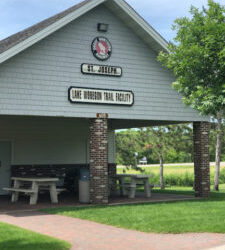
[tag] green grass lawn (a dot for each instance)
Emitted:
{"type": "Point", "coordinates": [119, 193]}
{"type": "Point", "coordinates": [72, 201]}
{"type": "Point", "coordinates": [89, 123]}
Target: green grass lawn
{"type": "Point", "coordinates": [173, 217]}
{"type": "Point", "coordinates": [14, 238]}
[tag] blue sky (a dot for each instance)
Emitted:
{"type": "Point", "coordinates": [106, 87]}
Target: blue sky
{"type": "Point", "coordinates": [19, 14]}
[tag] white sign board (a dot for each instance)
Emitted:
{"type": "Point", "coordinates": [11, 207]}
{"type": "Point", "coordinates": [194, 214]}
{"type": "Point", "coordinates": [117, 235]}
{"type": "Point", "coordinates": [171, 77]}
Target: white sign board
{"type": "Point", "coordinates": [93, 69]}
{"type": "Point", "coordinates": [101, 96]}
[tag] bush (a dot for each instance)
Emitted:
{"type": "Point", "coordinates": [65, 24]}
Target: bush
{"type": "Point", "coordinates": [183, 180]}
{"type": "Point", "coordinates": [222, 176]}
{"type": "Point", "coordinates": [186, 179]}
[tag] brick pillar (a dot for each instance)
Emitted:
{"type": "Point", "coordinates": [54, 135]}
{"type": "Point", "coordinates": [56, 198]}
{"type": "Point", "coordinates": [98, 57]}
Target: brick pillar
{"type": "Point", "coordinates": [99, 160]}
{"type": "Point", "coordinates": [112, 174]}
{"type": "Point", "coordinates": [201, 159]}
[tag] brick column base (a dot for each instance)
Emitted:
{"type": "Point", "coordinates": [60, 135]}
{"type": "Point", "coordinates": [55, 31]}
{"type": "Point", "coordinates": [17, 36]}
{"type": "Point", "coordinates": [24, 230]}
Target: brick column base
{"type": "Point", "coordinates": [201, 159]}
{"type": "Point", "coordinates": [99, 161]}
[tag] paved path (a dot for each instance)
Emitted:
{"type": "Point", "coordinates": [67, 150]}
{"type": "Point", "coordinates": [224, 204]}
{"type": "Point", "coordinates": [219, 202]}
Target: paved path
{"type": "Point", "coordinates": [85, 235]}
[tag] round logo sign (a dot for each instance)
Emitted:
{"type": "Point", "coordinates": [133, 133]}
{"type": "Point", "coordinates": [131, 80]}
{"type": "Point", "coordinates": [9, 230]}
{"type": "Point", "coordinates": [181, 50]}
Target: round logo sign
{"type": "Point", "coordinates": [101, 48]}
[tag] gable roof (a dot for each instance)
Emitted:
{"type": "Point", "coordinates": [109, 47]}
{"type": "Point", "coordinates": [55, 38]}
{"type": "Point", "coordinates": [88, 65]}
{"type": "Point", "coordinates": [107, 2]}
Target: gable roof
{"type": "Point", "coordinates": [18, 42]}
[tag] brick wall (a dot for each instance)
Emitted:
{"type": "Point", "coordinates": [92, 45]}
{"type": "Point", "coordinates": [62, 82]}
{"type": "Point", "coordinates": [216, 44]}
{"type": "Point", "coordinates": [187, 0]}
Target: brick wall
{"type": "Point", "coordinates": [51, 170]}
{"type": "Point", "coordinates": [201, 159]}
{"type": "Point", "coordinates": [69, 173]}
{"type": "Point", "coordinates": [58, 171]}
{"type": "Point", "coordinates": [99, 161]}
{"type": "Point", "coordinates": [112, 173]}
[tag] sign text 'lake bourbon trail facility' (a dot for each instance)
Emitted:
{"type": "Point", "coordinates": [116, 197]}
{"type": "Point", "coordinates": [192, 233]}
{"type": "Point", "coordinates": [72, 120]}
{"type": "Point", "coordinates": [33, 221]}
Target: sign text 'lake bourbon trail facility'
{"type": "Point", "coordinates": [67, 83]}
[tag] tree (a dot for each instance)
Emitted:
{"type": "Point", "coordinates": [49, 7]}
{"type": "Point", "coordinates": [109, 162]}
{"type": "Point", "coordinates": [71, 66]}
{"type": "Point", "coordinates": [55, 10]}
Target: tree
{"type": "Point", "coordinates": [197, 59]}
{"type": "Point", "coordinates": [160, 141]}
{"type": "Point", "coordinates": [213, 140]}
{"type": "Point", "coordinates": [178, 147]}
{"type": "Point", "coordinates": [218, 151]}
{"type": "Point", "coordinates": [158, 138]}
{"type": "Point", "coordinates": [127, 144]}
{"type": "Point", "coordinates": [180, 140]}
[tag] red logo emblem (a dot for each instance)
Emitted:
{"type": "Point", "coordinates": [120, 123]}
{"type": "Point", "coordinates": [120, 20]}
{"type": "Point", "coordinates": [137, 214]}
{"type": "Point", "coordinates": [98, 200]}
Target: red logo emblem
{"type": "Point", "coordinates": [101, 48]}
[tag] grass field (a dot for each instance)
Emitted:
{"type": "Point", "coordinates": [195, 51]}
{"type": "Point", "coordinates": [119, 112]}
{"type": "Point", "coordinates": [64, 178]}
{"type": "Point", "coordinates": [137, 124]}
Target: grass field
{"type": "Point", "coordinates": [167, 169]}
{"type": "Point", "coordinates": [14, 238]}
{"type": "Point", "coordinates": [182, 175]}
{"type": "Point", "coordinates": [172, 217]}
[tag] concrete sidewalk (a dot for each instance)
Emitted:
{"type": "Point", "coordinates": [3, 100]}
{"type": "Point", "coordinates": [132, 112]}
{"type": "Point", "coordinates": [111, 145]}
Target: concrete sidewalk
{"type": "Point", "coordinates": [86, 235]}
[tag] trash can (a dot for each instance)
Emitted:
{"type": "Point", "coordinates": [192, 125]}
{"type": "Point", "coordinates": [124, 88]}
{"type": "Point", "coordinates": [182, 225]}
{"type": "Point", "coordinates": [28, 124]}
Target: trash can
{"type": "Point", "coordinates": [84, 186]}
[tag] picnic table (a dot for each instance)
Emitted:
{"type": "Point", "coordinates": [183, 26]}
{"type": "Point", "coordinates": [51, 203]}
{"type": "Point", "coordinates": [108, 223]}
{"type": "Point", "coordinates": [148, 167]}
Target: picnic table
{"type": "Point", "coordinates": [36, 184]}
{"type": "Point", "coordinates": [135, 180]}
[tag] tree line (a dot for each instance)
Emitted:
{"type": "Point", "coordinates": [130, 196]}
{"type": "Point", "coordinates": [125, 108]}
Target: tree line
{"type": "Point", "coordinates": [164, 144]}
{"type": "Point", "coordinates": [170, 144]}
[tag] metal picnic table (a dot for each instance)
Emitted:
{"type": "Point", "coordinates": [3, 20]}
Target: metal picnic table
{"type": "Point", "coordinates": [36, 183]}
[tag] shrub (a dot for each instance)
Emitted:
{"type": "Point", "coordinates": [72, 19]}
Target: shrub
{"type": "Point", "coordinates": [222, 176]}
{"type": "Point", "coordinates": [183, 180]}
